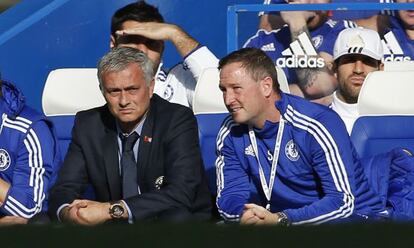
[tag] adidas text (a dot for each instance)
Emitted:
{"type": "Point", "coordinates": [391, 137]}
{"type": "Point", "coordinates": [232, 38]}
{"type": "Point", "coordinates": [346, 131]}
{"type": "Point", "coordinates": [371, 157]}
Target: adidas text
{"type": "Point", "coordinates": [393, 57]}
{"type": "Point", "coordinates": [300, 62]}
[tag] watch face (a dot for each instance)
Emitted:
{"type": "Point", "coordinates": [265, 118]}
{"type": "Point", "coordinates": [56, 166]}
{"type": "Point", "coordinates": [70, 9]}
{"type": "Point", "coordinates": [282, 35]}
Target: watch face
{"type": "Point", "coordinates": [283, 220]}
{"type": "Point", "coordinates": [116, 210]}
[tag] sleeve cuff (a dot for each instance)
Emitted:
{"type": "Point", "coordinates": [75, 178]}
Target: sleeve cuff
{"type": "Point", "coordinates": [2, 207]}
{"type": "Point", "coordinates": [60, 209]}
{"type": "Point", "coordinates": [192, 51]}
{"type": "Point", "coordinates": [130, 219]}
{"type": "Point", "coordinates": [200, 59]}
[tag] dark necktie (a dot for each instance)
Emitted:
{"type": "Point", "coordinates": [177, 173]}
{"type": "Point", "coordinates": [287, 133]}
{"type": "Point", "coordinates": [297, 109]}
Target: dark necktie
{"type": "Point", "coordinates": [129, 166]}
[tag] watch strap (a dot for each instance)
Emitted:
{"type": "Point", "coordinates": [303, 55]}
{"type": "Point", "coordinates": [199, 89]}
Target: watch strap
{"type": "Point", "coordinates": [282, 220]}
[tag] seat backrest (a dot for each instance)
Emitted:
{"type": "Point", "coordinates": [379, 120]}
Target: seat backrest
{"type": "Point", "coordinates": [372, 135]}
{"type": "Point", "coordinates": [63, 126]}
{"type": "Point", "coordinates": [66, 92]}
{"type": "Point", "coordinates": [386, 109]}
{"type": "Point", "coordinates": [208, 128]}
{"type": "Point", "coordinates": [70, 90]}
{"type": "Point", "coordinates": [387, 93]}
{"type": "Point", "coordinates": [210, 112]}
{"type": "Point", "coordinates": [207, 95]}
{"type": "Point", "coordinates": [399, 65]}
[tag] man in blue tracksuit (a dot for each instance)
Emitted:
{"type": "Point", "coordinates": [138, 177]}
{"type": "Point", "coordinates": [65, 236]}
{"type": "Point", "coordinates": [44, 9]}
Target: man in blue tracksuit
{"type": "Point", "coordinates": [281, 159]}
{"type": "Point", "coordinates": [29, 158]}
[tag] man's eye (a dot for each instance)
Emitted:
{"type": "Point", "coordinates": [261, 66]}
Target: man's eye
{"type": "Point", "coordinates": [153, 44]}
{"type": "Point", "coordinates": [113, 92]}
{"type": "Point", "coordinates": [132, 91]}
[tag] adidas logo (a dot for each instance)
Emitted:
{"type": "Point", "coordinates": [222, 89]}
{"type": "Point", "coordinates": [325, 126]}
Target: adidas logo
{"type": "Point", "coordinates": [249, 150]}
{"type": "Point", "coordinates": [300, 54]}
{"type": "Point", "coordinates": [161, 76]}
{"type": "Point", "coordinates": [392, 49]}
{"type": "Point", "coordinates": [268, 47]}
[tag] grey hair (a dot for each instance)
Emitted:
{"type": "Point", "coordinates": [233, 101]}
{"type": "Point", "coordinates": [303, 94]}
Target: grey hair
{"type": "Point", "coordinates": [120, 57]}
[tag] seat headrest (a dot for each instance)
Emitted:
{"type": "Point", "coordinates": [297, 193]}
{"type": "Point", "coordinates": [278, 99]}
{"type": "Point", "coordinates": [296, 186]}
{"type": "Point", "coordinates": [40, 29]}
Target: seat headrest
{"type": "Point", "coordinates": [399, 65]}
{"type": "Point", "coordinates": [70, 90]}
{"type": "Point", "coordinates": [387, 93]}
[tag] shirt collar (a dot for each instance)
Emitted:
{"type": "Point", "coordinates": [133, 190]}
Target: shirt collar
{"type": "Point", "coordinates": [138, 128]}
{"type": "Point", "coordinates": [343, 108]}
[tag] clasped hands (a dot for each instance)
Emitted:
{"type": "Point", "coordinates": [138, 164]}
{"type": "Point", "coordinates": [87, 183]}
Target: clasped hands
{"type": "Point", "coordinates": [86, 212]}
{"type": "Point", "coordinates": [257, 215]}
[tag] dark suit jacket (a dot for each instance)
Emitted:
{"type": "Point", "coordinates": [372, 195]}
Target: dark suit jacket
{"type": "Point", "coordinates": [168, 147]}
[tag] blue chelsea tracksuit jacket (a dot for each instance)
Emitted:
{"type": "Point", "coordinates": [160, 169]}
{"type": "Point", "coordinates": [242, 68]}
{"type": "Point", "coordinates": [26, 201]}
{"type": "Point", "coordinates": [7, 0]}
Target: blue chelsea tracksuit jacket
{"type": "Point", "coordinates": [29, 155]}
{"type": "Point", "coordinates": [318, 179]}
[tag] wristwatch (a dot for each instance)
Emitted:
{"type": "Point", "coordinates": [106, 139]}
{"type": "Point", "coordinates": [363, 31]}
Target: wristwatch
{"type": "Point", "coordinates": [116, 210]}
{"type": "Point", "coordinates": [282, 219]}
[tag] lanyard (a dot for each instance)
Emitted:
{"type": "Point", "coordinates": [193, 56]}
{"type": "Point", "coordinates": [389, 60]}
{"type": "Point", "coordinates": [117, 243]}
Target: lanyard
{"type": "Point", "coordinates": [267, 189]}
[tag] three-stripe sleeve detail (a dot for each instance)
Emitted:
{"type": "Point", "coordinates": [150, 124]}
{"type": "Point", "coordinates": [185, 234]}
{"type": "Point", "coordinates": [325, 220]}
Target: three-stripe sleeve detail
{"type": "Point", "coordinates": [334, 162]}
{"type": "Point", "coordinates": [35, 164]}
{"type": "Point", "coordinates": [228, 124]}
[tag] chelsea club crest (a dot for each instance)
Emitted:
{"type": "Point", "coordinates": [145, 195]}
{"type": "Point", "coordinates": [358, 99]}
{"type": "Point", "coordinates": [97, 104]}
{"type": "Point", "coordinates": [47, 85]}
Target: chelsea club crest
{"type": "Point", "coordinates": [291, 151]}
{"type": "Point", "coordinates": [168, 93]}
{"type": "Point", "coordinates": [317, 41]}
{"type": "Point", "coordinates": [4, 160]}
{"type": "Point", "coordinates": [159, 182]}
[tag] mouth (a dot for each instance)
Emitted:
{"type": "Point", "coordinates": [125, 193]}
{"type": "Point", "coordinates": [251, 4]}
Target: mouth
{"type": "Point", "coordinates": [410, 13]}
{"type": "Point", "coordinates": [125, 111]}
{"type": "Point", "coordinates": [357, 80]}
{"type": "Point", "coordinates": [233, 109]}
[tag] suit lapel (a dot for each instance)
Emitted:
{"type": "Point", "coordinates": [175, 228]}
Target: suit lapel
{"type": "Point", "coordinates": [145, 143]}
{"type": "Point", "coordinates": [111, 160]}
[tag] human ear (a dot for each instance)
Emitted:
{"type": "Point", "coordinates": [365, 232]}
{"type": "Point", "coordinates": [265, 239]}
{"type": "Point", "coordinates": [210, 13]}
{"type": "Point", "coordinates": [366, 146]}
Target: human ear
{"type": "Point", "coordinates": [266, 85]}
{"type": "Point", "coordinates": [112, 42]}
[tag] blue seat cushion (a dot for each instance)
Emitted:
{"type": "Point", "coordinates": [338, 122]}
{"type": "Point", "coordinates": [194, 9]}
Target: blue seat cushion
{"type": "Point", "coordinates": [208, 128]}
{"type": "Point", "coordinates": [372, 135]}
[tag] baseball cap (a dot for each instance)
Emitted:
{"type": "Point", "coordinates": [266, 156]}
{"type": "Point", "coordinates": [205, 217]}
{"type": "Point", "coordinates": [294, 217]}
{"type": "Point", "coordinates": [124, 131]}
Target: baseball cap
{"type": "Point", "coordinates": [358, 41]}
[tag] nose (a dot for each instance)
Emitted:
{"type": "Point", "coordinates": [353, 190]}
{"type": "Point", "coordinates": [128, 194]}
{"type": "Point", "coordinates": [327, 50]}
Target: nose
{"type": "Point", "coordinates": [358, 67]}
{"type": "Point", "coordinates": [228, 98]}
{"type": "Point", "coordinates": [123, 99]}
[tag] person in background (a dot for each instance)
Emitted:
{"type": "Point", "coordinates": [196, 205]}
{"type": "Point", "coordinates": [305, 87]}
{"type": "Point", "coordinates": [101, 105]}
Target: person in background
{"type": "Point", "coordinates": [304, 50]}
{"type": "Point", "coordinates": [271, 20]}
{"type": "Point", "coordinates": [377, 20]}
{"type": "Point", "coordinates": [357, 52]}
{"type": "Point", "coordinates": [399, 38]}
{"type": "Point", "coordinates": [141, 26]}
